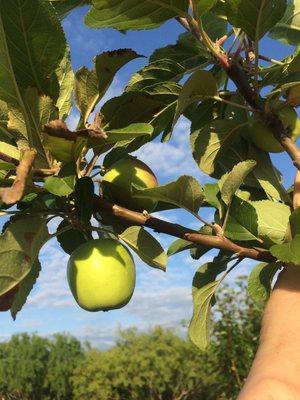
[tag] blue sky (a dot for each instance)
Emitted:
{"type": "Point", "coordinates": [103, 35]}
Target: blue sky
{"type": "Point", "coordinates": [159, 298]}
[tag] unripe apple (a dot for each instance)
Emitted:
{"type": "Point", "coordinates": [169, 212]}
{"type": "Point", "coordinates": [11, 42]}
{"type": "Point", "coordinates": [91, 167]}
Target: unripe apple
{"type": "Point", "coordinates": [7, 299]}
{"type": "Point", "coordinates": [60, 148]}
{"type": "Point", "coordinates": [101, 275]}
{"type": "Point", "coordinates": [263, 137]}
{"type": "Point", "coordinates": [122, 175]}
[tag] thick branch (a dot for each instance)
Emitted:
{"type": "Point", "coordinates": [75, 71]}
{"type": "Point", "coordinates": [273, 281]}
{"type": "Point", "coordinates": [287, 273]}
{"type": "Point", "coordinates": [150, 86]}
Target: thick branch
{"type": "Point", "coordinates": [179, 231]}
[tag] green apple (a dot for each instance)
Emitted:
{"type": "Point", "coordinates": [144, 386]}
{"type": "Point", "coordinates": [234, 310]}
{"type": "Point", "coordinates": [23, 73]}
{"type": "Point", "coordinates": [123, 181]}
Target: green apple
{"type": "Point", "coordinates": [60, 148]}
{"type": "Point", "coordinates": [263, 137]}
{"type": "Point", "coordinates": [122, 175]}
{"type": "Point", "coordinates": [101, 275]}
{"type": "Point", "coordinates": [7, 299]}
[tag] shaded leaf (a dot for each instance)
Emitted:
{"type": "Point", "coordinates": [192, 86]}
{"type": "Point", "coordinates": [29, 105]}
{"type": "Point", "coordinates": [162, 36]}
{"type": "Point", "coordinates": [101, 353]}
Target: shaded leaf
{"type": "Point", "coordinates": [133, 14]}
{"type": "Point", "coordinates": [146, 246]}
{"type": "Point", "coordinates": [255, 17]}
{"type": "Point", "coordinates": [63, 184]}
{"type": "Point", "coordinates": [234, 179]}
{"type": "Point", "coordinates": [288, 252]}
{"type": "Point", "coordinates": [25, 287]}
{"type": "Point", "coordinates": [260, 280]}
{"type": "Point", "coordinates": [184, 193]}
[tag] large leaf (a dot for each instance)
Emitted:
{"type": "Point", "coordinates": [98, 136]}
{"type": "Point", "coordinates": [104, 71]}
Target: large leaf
{"type": "Point", "coordinates": [156, 71]}
{"type": "Point", "coordinates": [199, 86]}
{"type": "Point", "coordinates": [255, 17]}
{"type": "Point", "coordinates": [84, 196]}
{"type": "Point", "coordinates": [64, 76]}
{"type": "Point", "coordinates": [108, 64]}
{"type": "Point", "coordinates": [234, 179]}
{"type": "Point", "coordinates": [260, 280]}
{"type": "Point", "coordinates": [146, 246]}
{"type": "Point", "coordinates": [63, 7]}
{"type": "Point", "coordinates": [133, 14]}
{"type": "Point", "coordinates": [25, 287]}
{"type": "Point", "coordinates": [204, 289]}
{"type": "Point", "coordinates": [91, 85]}
{"type": "Point", "coordinates": [265, 219]}
{"type": "Point", "coordinates": [20, 245]}
{"type": "Point", "coordinates": [86, 92]}
{"type": "Point", "coordinates": [71, 239]}
{"type": "Point", "coordinates": [288, 252]}
{"type": "Point", "coordinates": [63, 184]}
{"type": "Point", "coordinates": [287, 30]}
{"type": "Point", "coordinates": [184, 193]}
{"type": "Point", "coordinates": [211, 143]}
{"type": "Point", "coordinates": [32, 44]}
{"type": "Point", "coordinates": [187, 51]}
{"type": "Point", "coordinates": [40, 110]}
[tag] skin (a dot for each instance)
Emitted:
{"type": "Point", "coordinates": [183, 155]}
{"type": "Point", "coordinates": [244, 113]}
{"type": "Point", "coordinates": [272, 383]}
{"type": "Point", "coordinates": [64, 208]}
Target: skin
{"type": "Point", "coordinates": [122, 175]}
{"type": "Point", "coordinates": [263, 137]}
{"type": "Point", "coordinates": [101, 275]}
{"type": "Point", "coordinates": [276, 369]}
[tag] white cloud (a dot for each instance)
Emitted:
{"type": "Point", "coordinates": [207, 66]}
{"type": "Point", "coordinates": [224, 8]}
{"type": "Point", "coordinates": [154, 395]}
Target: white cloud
{"type": "Point", "coordinates": [172, 159]}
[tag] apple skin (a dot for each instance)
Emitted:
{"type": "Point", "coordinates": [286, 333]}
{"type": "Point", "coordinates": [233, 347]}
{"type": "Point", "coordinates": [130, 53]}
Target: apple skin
{"type": "Point", "coordinates": [263, 137]}
{"type": "Point", "coordinates": [7, 299]}
{"type": "Point", "coordinates": [101, 275]}
{"type": "Point", "coordinates": [60, 148]}
{"type": "Point", "coordinates": [122, 175]}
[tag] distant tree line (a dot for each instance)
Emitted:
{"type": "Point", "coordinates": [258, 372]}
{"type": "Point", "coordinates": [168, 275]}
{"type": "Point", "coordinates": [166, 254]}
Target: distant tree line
{"type": "Point", "coordinates": [157, 365]}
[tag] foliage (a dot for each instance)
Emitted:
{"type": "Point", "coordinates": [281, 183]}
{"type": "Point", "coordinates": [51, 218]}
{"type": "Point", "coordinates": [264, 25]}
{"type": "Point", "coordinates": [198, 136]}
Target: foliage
{"type": "Point", "coordinates": [154, 365]}
{"type": "Point", "coordinates": [215, 75]}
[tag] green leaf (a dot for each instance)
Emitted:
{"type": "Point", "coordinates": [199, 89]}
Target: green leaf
{"type": "Point", "coordinates": [20, 245]}
{"type": "Point", "coordinates": [287, 30]}
{"type": "Point", "coordinates": [234, 179]}
{"type": "Point", "coordinates": [235, 231]}
{"type": "Point", "coordinates": [109, 63]}
{"type": "Point", "coordinates": [32, 46]}
{"type": "Point", "coordinates": [205, 5]}
{"type": "Point", "coordinates": [86, 92]}
{"type": "Point", "coordinates": [63, 184]}
{"type": "Point", "coordinates": [260, 280]}
{"type": "Point", "coordinates": [210, 144]}
{"type": "Point", "coordinates": [184, 193]}
{"type": "Point", "coordinates": [187, 51]}
{"type": "Point", "coordinates": [64, 76]}
{"type": "Point", "coordinates": [129, 132]}
{"type": "Point", "coordinates": [156, 71]}
{"type": "Point", "coordinates": [199, 86]}
{"type": "Point", "coordinates": [288, 252]}
{"type": "Point", "coordinates": [180, 245]}
{"type": "Point", "coordinates": [40, 110]}
{"type": "Point", "coordinates": [133, 14]}
{"type": "Point", "coordinates": [204, 289]}
{"type": "Point", "coordinates": [267, 176]}
{"type": "Point", "coordinates": [146, 246]}
{"type": "Point", "coordinates": [25, 287]}
{"type": "Point", "coordinates": [71, 239]}
{"type": "Point", "coordinates": [129, 108]}
{"type": "Point", "coordinates": [63, 7]}
{"type": "Point", "coordinates": [265, 219]}
{"type": "Point", "coordinates": [84, 196]}
{"type": "Point", "coordinates": [295, 222]}
{"type": "Point", "coordinates": [255, 17]}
